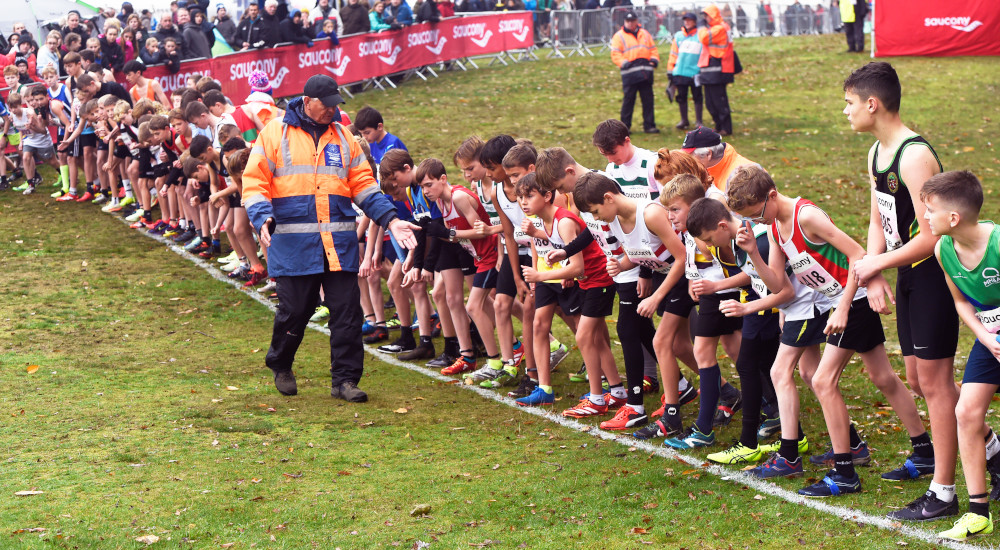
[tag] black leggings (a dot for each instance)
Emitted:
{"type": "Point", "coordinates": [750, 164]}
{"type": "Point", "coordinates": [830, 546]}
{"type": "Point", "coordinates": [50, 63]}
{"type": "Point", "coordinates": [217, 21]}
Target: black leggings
{"type": "Point", "coordinates": [754, 367]}
{"type": "Point", "coordinates": [635, 332]}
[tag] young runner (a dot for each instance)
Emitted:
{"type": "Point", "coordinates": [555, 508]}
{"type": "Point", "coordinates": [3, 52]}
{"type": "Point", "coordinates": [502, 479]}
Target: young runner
{"type": "Point", "coordinates": [899, 163]}
{"type": "Point", "coordinates": [820, 255]}
{"type": "Point", "coordinates": [969, 252]}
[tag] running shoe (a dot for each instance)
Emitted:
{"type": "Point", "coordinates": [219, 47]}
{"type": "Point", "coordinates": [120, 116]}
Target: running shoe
{"type": "Point", "coordinates": [442, 360]}
{"type": "Point", "coordinates": [65, 198]}
{"type": "Point", "coordinates": [557, 356]}
{"type": "Point", "coordinates": [614, 402]}
{"type": "Point", "coordinates": [912, 468]}
{"type": "Point", "coordinates": [859, 454]}
{"type": "Point", "coordinates": [86, 197]}
{"type": "Point", "coordinates": [660, 428]}
{"type": "Point", "coordinates": [399, 346]}
{"type": "Point", "coordinates": [993, 468]}
{"type": "Point", "coordinates": [461, 365]}
{"type": "Point", "coordinates": [380, 333]}
{"type": "Point", "coordinates": [774, 447]}
{"type": "Point", "coordinates": [650, 384]}
{"type": "Point", "coordinates": [138, 224]}
{"type": "Point", "coordinates": [22, 187]}
{"type": "Point", "coordinates": [322, 312]}
{"type": "Point", "coordinates": [55, 194]}
{"type": "Point", "coordinates": [424, 350]}
{"type": "Point", "coordinates": [969, 525]}
{"type": "Point", "coordinates": [727, 408]}
{"type": "Point", "coordinates": [538, 397]}
{"type": "Point", "coordinates": [203, 246]}
{"type": "Point", "coordinates": [193, 243]}
{"type": "Point", "coordinates": [270, 287]}
{"type": "Point", "coordinates": [524, 388]}
{"type": "Point", "coordinates": [29, 190]}
{"type": "Point", "coordinates": [5, 184]}
{"type": "Point", "coordinates": [367, 327]}
{"type": "Point", "coordinates": [507, 375]}
{"type": "Point", "coordinates": [580, 375]}
{"type": "Point", "coordinates": [127, 201]}
{"type": "Point", "coordinates": [777, 466]}
{"type": "Point", "coordinates": [389, 304]}
{"type": "Point", "coordinates": [518, 353]}
{"type": "Point", "coordinates": [231, 266]}
{"type": "Point", "coordinates": [690, 439]}
{"type": "Point", "coordinates": [584, 409]}
{"type": "Point", "coordinates": [436, 332]}
{"type": "Point", "coordinates": [625, 418]}
{"type": "Point", "coordinates": [737, 454]}
{"type": "Point", "coordinates": [768, 427]}
{"type": "Point", "coordinates": [111, 207]}
{"type": "Point", "coordinates": [683, 397]}
{"type": "Point", "coordinates": [99, 199]}
{"type": "Point", "coordinates": [832, 485]}
{"type": "Point", "coordinates": [159, 227]}
{"type": "Point", "coordinates": [926, 507]}
{"type": "Point", "coordinates": [241, 273]}
{"type": "Point", "coordinates": [484, 374]}
{"type": "Point", "coordinates": [135, 215]}
{"type": "Point", "coordinates": [256, 276]}
{"type": "Point", "coordinates": [232, 257]}
{"type": "Point", "coordinates": [393, 323]}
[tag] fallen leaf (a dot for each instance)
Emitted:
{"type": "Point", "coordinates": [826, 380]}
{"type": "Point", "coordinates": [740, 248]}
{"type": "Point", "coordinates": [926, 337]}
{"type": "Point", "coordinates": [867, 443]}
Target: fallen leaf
{"type": "Point", "coordinates": [228, 545]}
{"type": "Point", "coordinates": [32, 369]}
{"type": "Point", "coordinates": [256, 480]}
{"type": "Point", "coordinates": [232, 388]}
{"type": "Point", "coordinates": [420, 510]}
{"type": "Point", "coordinates": [147, 539]}
{"type": "Point", "coordinates": [28, 493]}
{"type": "Point", "coordinates": [401, 410]}
{"type": "Point", "coordinates": [639, 531]}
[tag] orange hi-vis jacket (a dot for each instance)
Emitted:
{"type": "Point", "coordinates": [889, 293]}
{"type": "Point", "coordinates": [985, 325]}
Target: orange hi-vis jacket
{"type": "Point", "coordinates": [717, 61]}
{"type": "Point", "coordinates": [308, 189]}
{"type": "Point", "coordinates": [627, 48]}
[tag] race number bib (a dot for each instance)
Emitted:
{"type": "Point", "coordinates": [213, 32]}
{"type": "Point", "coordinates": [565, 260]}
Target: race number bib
{"type": "Point", "coordinates": [690, 266]}
{"type": "Point", "coordinates": [990, 319]}
{"type": "Point", "coordinates": [811, 274]}
{"type": "Point", "coordinates": [597, 230]}
{"type": "Point", "coordinates": [466, 244]}
{"type": "Point", "coordinates": [644, 256]}
{"type": "Point", "coordinates": [758, 285]}
{"type": "Point", "coordinates": [890, 226]}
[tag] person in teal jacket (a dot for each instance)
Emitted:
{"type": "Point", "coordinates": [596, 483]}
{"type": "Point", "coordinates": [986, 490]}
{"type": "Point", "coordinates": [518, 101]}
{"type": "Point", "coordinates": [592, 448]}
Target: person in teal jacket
{"type": "Point", "coordinates": [375, 17]}
{"type": "Point", "coordinates": [682, 70]}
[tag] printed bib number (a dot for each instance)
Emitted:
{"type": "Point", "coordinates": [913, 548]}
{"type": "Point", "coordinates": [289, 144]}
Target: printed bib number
{"type": "Point", "coordinates": [644, 256]}
{"type": "Point", "coordinates": [690, 265]}
{"type": "Point", "coordinates": [811, 274]}
{"type": "Point", "coordinates": [600, 237]}
{"type": "Point", "coordinates": [758, 286]}
{"type": "Point", "coordinates": [990, 319]}
{"type": "Point", "coordinates": [890, 226]}
{"type": "Point", "coordinates": [467, 245]}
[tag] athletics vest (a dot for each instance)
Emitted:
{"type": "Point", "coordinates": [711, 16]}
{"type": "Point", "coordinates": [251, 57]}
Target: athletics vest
{"type": "Point", "coordinates": [820, 267]}
{"type": "Point", "coordinates": [641, 245]}
{"type": "Point", "coordinates": [484, 250]}
{"type": "Point", "coordinates": [981, 284]}
{"type": "Point", "coordinates": [635, 179]}
{"type": "Point", "coordinates": [895, 206]}
{"type": "Point", "coordinates": [514, 213]}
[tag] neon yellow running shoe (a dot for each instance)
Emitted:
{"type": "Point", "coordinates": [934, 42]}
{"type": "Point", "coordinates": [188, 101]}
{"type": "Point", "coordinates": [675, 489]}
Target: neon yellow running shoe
{"type": "Point", "coordinates": [969, 525]}
{"type": "Point", "coordinates": [737, 454]}
{"type": "Point", "coordinates": [127, 201]}
{"type": "Point", "coordinates": [773, 447]}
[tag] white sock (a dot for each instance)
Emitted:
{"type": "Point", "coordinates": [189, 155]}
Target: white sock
{"type": "Point", "coordinates": [619, 392]}
{"type": "Point", "coordinates": [682, 384]}
{"type": "Point", "coordinates": [597, 399]}
{"type": "Point", "coordinates": [992, 446]}
{"type": "Point", "coordinates": [72, 189]}
{"type": "Point", "coordinates": [945, 493]}
{"type": "Point", "coordinates": [128, 186]}
{"type": "Point", "coordinates": [641, 409]}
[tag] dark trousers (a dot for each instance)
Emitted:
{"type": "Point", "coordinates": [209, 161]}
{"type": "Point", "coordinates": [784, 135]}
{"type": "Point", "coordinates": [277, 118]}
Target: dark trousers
{"type": "Point", "coordinates": [297, 302]}
{"type": "Point", "coordinates": [754, 367]}
{"type": "Point", "coordinates": [645, 91]}
{"type": "Point", "coordinates": [717, 103]}
{"type": "Point", "coordinates": [855, 35]}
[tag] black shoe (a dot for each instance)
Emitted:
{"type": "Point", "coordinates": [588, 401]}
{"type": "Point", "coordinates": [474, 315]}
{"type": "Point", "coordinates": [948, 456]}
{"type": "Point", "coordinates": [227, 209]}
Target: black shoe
{"type": "Point", "coordinates": [442, 361]}
{"type": "Point", "coordinates": [660, 428]}
{"type": "Point", "coordinates": [399, 346]}
{"type": "Point", "coordinates": [389, 304]}
{"type": "Point", "coordinates": [524, 388]}
{"type": "Point", "coordinates": [914, 467]}
{"type": "Point", "coordinates": [349, 391]}
{"type": "Point", "coordinates": [926, 507]}
{"type": "Point", "coordinates": [436, 331]}
{"type": "Point", "coordinates": [653, 130]}
{"type": "Point", "coordinates": [284, 381]}
{"type": "Point", "coordinates": [683, 125]}
{"type": "Point", "coordinates": [687, 396]}
{"type": "Point", "coordinates": [425, 350]}
{"type": "Point", "coordinates": [185, 236]}
{"type": "Point", "coordinates": [381, 333]}
{"type": "Point", "coordinates": [4, 183]}
{"type": "Point", "coordinates": [993, 468]}
{"type": "Point", "coordinates": [724, 414]}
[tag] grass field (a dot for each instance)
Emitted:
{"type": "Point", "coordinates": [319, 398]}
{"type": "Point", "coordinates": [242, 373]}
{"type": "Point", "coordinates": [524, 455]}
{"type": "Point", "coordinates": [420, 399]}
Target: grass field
{"type": "Point", "coordinates": [150, 412]}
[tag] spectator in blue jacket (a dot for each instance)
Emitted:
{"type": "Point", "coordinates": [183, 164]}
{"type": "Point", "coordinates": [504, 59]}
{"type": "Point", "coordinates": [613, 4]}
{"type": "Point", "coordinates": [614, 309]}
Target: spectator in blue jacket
{"type": "Point", "coordinates": [398, 14]}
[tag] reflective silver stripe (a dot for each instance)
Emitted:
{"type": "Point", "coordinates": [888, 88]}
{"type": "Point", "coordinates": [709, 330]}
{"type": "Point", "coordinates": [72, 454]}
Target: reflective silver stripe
{"type": "Point", "coordinates": [311, 170]}
{"type": "Point", "coordinates": [364, 194]}
{"type": "Point", "coordinates": [644, 68]}
{"type": "Point", "coordinates": [253, 199]}
{"type": "Point", "coordinates": [331, 227]}
{"type": "Point", "coordinates": [258, 150]}
{"type": "Point", "coordinates": [286, 152]}
{"type": "Point", "coordinates": [358, 161]}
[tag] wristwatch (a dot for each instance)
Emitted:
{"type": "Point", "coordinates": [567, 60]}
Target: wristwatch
{"type": "Point", "coordinates": [451, 235]}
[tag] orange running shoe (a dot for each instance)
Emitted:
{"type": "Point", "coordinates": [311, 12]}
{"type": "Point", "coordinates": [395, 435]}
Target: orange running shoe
{"type": "Point", "coordinates": [584, 409]}
{"type": "Point", "coordinates": [462, 364]}
{"type": "Point", "coordinates": [625, 419]}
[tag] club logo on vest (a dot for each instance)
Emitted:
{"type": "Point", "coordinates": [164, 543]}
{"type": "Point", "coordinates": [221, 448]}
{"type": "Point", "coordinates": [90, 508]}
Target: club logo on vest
{"type": "Point", "coordinates": [332, 155]}
{"type": "Point", "coordinates": [991, 276]}
{"type": "Point", "coordinates": [892, 181]}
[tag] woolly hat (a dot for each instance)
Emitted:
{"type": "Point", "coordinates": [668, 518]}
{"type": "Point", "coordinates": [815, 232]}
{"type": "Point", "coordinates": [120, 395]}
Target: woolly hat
{"type": "Point", "coordinates": [259, 82]}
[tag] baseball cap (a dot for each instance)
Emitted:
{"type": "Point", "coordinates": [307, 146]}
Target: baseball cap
{"type": "Point", "coordinates": [690, 15]}
{"type": "Point", "coordinates": [700, 137]}
{"type": "Point", "coordinates": [631, 16]}
{"type": "Point", "coordinates": [323, 88]}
